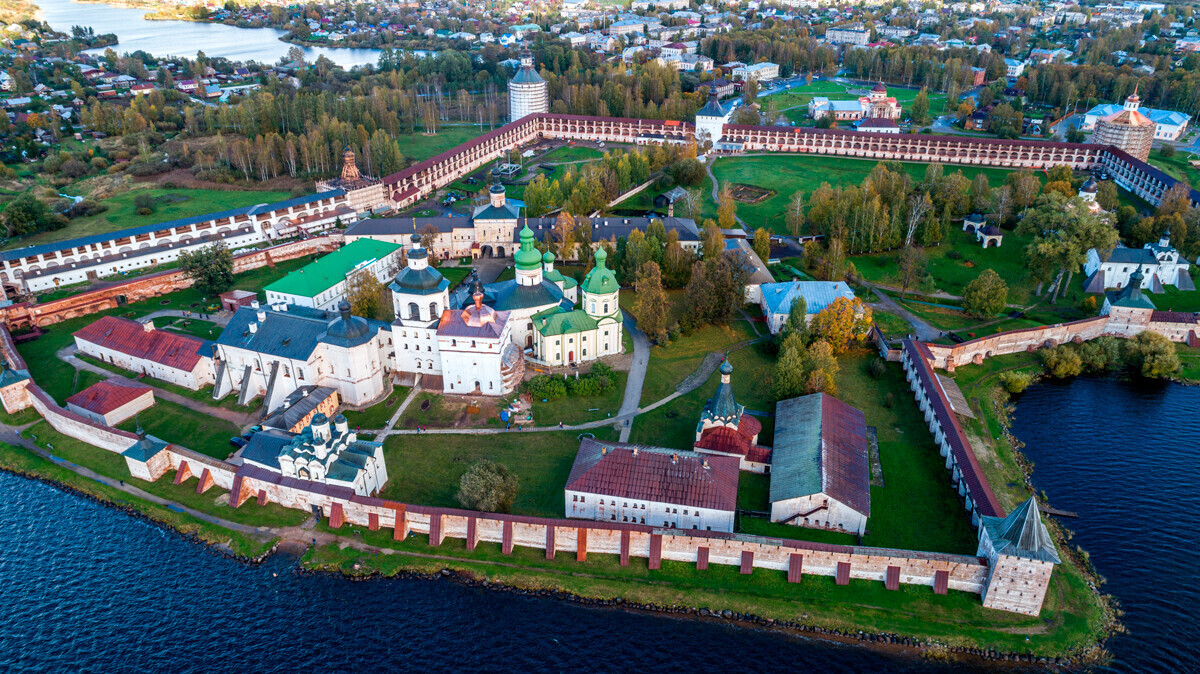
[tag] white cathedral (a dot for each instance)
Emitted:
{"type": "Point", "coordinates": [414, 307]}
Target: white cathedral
{"type": "Point", "coordinates": [477, 349]}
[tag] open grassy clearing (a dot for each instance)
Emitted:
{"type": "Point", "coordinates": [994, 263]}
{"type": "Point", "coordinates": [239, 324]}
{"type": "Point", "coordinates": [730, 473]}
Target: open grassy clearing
{"type": "Point", "coordinates": [419, 146]}
{"type": "Point", "coordinates": [1178, 166]}
{"type": "Point", "coordinates": [787, 174]}
{"type": "Point", "coordinates": [170, 204]}
{"type": "Point", "coordinates": [182, 426]}
{"type": "Point", "coordinates": [582, 409]}
{"type": "Point", "coordinates": [426, 468]}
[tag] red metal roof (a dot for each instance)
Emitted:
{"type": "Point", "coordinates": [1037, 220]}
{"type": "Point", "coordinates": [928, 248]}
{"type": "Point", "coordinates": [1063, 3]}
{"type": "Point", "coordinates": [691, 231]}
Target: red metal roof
{"type": "Point", "coordinates": [108, 395]}
{"type": "Point", "coordinates": [960, 447]}
{"type": "Point", "coordinates": [655, 474]}
{"type": "Point", "coordinates": [1172, 317]}
{"type": "Point", "coordinates": [131, 338]}
{"type": "Point", "coordinates": [845, 461]}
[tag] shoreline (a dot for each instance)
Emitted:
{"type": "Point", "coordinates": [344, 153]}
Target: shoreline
{"type": "Point", "coordinates": [883, 641]}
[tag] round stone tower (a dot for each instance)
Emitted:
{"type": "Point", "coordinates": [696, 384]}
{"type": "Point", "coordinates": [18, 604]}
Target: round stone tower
{"type": "Point", "coordinates": [528, 93]}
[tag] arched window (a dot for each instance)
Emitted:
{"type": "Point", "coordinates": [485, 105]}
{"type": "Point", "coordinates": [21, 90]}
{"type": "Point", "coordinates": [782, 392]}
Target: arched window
{"type": "Point", "coordinates": [593, 306]}
{"type": "Point", "coordinates": [433, 310]}
{"type": "Point", "coordinates": [413, 312]}
{"type": "Point", "coordinates": [606, 307]}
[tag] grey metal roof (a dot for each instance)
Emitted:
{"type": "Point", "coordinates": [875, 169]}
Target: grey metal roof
{"type": "Point", "coordinates": [299, 403]}
{"type": "Point", "coordinates": [424, 281]}
{"type": "Point", "coordinates": [510, 295]}
{"type": "Point", "coordinates": [265, 447]}
{"type": "Point", "coordinates": [1122, 255]}
{"type": "Point", "coordinates": [19, 253]}
{"type": "Point", "coordinates": [713, 107]}
{"type": "Point", "coordinates": [526, 76]}
{"type": "Point", "coordinates": [294, 333]}
{"type": "Point", "coordinates": [1022, 534]}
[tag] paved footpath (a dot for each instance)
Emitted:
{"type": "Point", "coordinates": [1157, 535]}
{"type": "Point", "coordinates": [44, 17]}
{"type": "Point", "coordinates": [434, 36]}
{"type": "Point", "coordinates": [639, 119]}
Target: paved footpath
{"type": "Point", "coordinates": [637, 377]}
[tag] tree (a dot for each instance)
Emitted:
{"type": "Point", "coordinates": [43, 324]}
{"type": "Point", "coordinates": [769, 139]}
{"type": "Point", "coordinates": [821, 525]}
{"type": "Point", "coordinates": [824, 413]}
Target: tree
{"type": "Point", "coordinates": [797, 320]}
{"type": "Point", "coordinates": [210, 268]}
{"type": "Point", "coordinates": [712, 242]}
{"type": "Point", "coordinates": [1107, 196]}
{"type": "Point", "coordinates": [1063, 187]}
{"type": "Point", "coordinates": [1025, 187]}
{"type": "Point", "coordinates": [1062, 361]}
{"type": "Point", "coordinates": [365, 292]}
{"type": "Point", "coordinates": [987, 295]}
{"type": "Point", "coordinates": [1063, 231]}
{"type": "Point", "coordinates": [919, 206]}
{"type": "Point", "coordinates": [805, 369]}
{"type": "Point", "coordinates": [650, 308]}
{"type": "Point", "coordinates": [487, 486]}
{"type": "Point", "coordinates": [794, 216]}
{"type": "Point", "coordinates": [1166, 151]}
{"type": "Point", "coordinates": [762, 244]}
{"type": "Point", "coordinates": [27, 214]}
{"type": "Point", "coordinates": [912, 266]}
{"type": "Point", "coordinates": [920, 108]}
{"type": "Point", "coordinates": [981, 193]}
{"type": "Point", "coordinates": [1151, 355]}
{"type": "Point", "coordinates": [842, 321]}
{"type": "Point", "coordinates": [726, 208]}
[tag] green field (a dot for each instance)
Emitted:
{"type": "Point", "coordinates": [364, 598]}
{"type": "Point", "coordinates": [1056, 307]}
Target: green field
{"type": "Point", "coordinates": [787, 174]}
{"type": "Point", "coordinates": [1178, 166]}
{"type": "Point", "coordinates": [182, 426]}
{"type": "Point", "coordinates": [569, 153]}
{"type": "Point", "coordinates": [419, 147]}
{"type": "Point", "coordinates": [171, 204]}
{"type": "Point", "coordinates": [426, 468]}
{"type": "Point", "coordinates": [377, 415]}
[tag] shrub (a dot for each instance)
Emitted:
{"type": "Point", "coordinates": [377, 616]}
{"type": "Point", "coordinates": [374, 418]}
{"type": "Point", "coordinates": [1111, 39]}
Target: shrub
{"type": "Point", "coordinates": [1016, 381]}
{"type": "Point", "coordinates": [877, 368]}
{"type": "Point", "coordinates": [145, 211]}
{"type": "Point", "coordinates": [74, 169]}
{"type": "Point", "coordinates": [1167, 151]}
{"type": "Point", "coordinates": [953, 254]}
{"type": "Point", "coordinates": [546, 387]}
{"type": "Point", "coordinates": [487, 486]}
{"type": "Point", "coordinates": [1062, 361]}
{"type": "Point", "coordinates": [85, 208]}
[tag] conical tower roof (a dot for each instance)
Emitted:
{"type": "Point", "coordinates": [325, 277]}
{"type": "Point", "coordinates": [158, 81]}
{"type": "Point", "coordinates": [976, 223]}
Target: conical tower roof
{"type": "Point", "coordinates": [1022, 534]}
{"type": "Point", "coordinates": [723, 408]}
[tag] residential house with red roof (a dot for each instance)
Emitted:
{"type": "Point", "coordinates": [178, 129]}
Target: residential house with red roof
{"type": "Point", "coordinates": [654, 486]}
{"type": "Point", "coordinates": [172, 357]}
{"type": "Point", "coordinates": [111, 401]}
{"type": "Point", "coordinates": [820, 465]}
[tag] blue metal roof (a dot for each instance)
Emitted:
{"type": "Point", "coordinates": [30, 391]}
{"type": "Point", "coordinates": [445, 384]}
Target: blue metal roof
{"type": "Point", "coordinates": [817, 294]}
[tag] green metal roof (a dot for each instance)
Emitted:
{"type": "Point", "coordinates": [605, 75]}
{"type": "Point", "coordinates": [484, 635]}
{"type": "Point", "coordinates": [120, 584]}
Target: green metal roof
{"type": "Point", "coordinates": [314, 279]}
{"type": "Point", "coordinates": [1022, 534]}
{"type": "Point", "coordinates": [558, 322]}
{"type": "Point", "coordinates": [796, 456]}
{"type": "Point", "coordinates": [528, 258]}
{"type": "Point", "coordinates": [556, 276]}
{"type": "Point", "coordinates": [600, 280]}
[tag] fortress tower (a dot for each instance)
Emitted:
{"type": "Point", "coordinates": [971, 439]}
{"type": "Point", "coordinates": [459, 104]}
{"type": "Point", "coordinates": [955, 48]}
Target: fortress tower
{"type": "Point", "coordinates": [1021, 557]}
{"type": "Point", "coordinates": [528, 93]}
{"type": "Point", "coordinates": [1127, 130]}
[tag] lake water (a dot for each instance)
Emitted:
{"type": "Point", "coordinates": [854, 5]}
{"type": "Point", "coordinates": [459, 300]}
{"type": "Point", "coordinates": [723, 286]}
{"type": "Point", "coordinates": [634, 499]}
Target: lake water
{"type": "Point", "coordinates": [88, 588]}
{"type": "Point", "coordinates": [1123, 456]}
{"type": "Point", "coordinates": [185, 38]}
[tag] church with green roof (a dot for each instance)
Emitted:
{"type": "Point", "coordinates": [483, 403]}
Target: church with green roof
{"type": "Point", "coordinates": [563, 336]}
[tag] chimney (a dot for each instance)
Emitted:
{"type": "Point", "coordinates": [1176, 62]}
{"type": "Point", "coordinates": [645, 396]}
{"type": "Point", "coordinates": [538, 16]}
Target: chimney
{"type": "Point", "coordinates": [635, 451]}
{"type": "Point", "coordinates": [148, 326]}
{"type": "Point", "coordinates": [674, 458]}
{"type": "Point", "coordinates": [254, 304]}
{"type": "Point", "coordinates": [706, 464]}
{"type": "Point", "coordinates": [253, 328]}
{"type": "Point", "coordinates": [262, 316]}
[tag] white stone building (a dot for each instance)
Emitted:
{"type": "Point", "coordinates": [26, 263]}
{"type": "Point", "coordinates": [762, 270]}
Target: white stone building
{"type": "Point", "coordinates": [172, 357]}
{"type": "Point", "coordinates": [322, 284]}
{"type": "Point", "coordinates": [420, 294]}
{"type": "Point", "coordinates": [478, 355]}
{"type": "Point", "coordinates": [711, 120]}
{"type": "Point", "coordinates": [652, 486]}
{"type": "Point", "coordinates": [757, 72]}
{"type": "Point", "coordinates": [563, 336]}
{"type": "Point", "coordinates": [1159, 264]}
{"type": "Point", "coordinates": [777, 299]}
{"type": "Point", "coordinates": [820, 468]}
{"type": "Point", "coordinates": [272, 351]}
{"type": "Point", "coordinates": [324, 452]}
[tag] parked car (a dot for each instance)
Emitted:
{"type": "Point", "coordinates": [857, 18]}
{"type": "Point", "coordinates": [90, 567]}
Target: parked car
{"type": "Point", "coordinates": [237, 442]}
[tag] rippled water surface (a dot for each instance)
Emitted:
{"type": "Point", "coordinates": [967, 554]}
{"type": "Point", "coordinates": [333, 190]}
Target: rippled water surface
{"type": "Point", "coordinates": [1124, 456]}
{"type": "Point", "coordinates": [87, 588]}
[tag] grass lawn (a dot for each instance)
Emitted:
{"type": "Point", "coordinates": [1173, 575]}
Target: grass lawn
{"type": "Point", "coordinates": [787, 174]}
{"type": "Point", "coordinates": [188, 428]}
{"type": "Point", "coordinates": [377, 416]}
{"type": "Point", "coordinates": [25, 462]}
{"type": "Point", "coordinates": [952, 275]}
{"type": "Point", "coordinates": [1178, 166]}
{"type": "Point", "coordinates": [580, 409]}
{"type": "Point", "coordinates": [419, 147]}
{"type": "Point", "coordinates": [570, 153]}
{"type": "Point", "coordinates": [955, 618]}
{"type": "Point", "coordinates": [113, 465]}
{"type": "Point", "coordinates": [57, 378]}
{"type": "Point", "coordinates": [891, 325]}
{"type": "Point", "coordinates": [455, 275]}
{"type": "Point", "coordinates": [1173, 299]}
{"type": "Point", "coordinates": [426, 468]}
{"type": "Point", "coordinates": [190, 326]}
{"type": "Point", "coordinates": [171, 204]}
